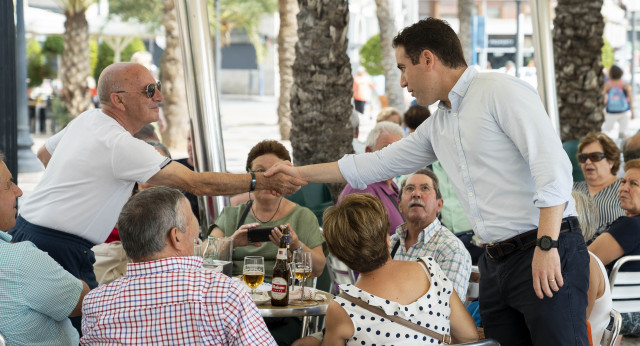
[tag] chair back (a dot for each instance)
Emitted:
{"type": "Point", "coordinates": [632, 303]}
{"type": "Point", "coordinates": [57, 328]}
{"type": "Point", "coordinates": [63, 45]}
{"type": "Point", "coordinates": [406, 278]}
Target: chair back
{"type": "Point", "coordinates": [571, 147]}
{"type": "Point", "coordinates": [473, 291]}
{"type": "Point", "coordinates": [3, 342]}
{"type": "Point", "coordinates": [315, 196]}
{"type": "Point", "coordinates": [340, 274]}
{"type": "Point", "coordinates": [612, 330]}
{"type": "Point", "coordinates": [625, 286]}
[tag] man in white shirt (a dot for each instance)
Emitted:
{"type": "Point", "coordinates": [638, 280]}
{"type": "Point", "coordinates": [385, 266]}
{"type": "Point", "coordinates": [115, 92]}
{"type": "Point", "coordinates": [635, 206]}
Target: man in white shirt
{"type": "Point", "coordinates": [92, 165]}
{"type": "Point", "coordinates": [493, 138]}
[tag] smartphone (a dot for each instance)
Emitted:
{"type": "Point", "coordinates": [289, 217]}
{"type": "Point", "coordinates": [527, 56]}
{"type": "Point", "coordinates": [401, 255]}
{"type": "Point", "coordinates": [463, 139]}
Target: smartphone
{"type": "Point", "coordinates": [259, 234]}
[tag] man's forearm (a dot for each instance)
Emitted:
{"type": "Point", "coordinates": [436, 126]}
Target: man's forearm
{"type": "Point", "coordinates": [322, 173]}
{"type": "Point", "coordinates": [550, 220]}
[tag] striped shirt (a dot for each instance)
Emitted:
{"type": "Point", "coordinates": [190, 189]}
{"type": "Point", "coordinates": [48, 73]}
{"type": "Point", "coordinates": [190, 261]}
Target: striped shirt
{"type": "Point", "coordinates": [444, 247]}
{"type": "Point", "coordinates": [606, 200]}
{"type": "Point", "coordinates": [172, 301]}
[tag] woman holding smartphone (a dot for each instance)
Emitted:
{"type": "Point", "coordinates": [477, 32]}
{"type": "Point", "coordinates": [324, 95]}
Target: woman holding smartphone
{"type": "Point", "coordinates": [275, 212]}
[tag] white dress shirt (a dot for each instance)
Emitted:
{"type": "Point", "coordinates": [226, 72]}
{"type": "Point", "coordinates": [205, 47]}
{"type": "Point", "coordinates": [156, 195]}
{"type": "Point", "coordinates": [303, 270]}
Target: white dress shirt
{"type": "Point", "coordinates": [498, 147]}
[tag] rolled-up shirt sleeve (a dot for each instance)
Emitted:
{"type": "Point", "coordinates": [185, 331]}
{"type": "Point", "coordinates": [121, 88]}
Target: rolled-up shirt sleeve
{"type": "Point", "coordinates": [402, 157]}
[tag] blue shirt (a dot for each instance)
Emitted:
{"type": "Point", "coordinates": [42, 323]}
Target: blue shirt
{"type": "Point", "coordinates": [36, 296]}
{"type": "Point", "coordinates": [498, 147]}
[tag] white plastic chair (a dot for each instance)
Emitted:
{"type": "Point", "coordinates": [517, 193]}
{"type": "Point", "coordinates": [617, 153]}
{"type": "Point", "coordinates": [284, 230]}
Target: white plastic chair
{"type": "Point", "coordinates": [625, 286]}
{"type": "Point", "coordinates": [339, 273]}
{"type": "Point", "coordinates": [485, 342]}
{"type": "Point", "coordinates": [3, 342]}
{"type": "Point", "coordinates": [473, 291]}
{"type": "Point", "coordinates": [612, 331]}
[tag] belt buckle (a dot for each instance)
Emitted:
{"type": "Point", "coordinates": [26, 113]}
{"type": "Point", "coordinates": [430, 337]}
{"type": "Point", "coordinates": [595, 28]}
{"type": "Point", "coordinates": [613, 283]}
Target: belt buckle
{"type": "Point", "coordinates": [489, 248]}
{"type": "Point", "coordinates": [446, 339]}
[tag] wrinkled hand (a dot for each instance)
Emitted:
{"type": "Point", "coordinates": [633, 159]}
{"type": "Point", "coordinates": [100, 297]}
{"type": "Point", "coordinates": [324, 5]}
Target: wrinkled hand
{"type": "Point", "coordinates": [276, 234]}
{"type": "Point", "coordinates": [546, 271]}
{"type": "Point", "coordinates": [240, 236]}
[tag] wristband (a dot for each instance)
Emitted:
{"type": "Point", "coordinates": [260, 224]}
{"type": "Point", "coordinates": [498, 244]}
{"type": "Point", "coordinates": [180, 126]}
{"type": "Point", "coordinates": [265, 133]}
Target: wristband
{"type": "Point", "coordinates": [253, 181]}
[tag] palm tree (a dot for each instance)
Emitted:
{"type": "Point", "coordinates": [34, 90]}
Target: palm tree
{"type": "Point", "coordinates": [75, 57]}
{"type": "Point", "coordinates": [322, 88]}
{"type": "Point", "coordinates": [287, 38]}
{"type": "Point", "coordinates": [577, 44]}
{"type": "Point", "coordinates": [386, 17]}
{"type": "Point", "coordinates": [465, 9]}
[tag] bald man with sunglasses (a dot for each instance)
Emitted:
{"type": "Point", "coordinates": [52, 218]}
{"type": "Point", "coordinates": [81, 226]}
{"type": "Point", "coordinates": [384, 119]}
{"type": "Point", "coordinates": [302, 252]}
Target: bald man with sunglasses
{"type": "Point", "coordinates": [92, 165]}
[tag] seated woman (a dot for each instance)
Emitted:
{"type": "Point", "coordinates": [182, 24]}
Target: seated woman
{"type": "Point", "coordinates": [267, 210]}
{"type": "Point", "coordinates": [357, 233]}
{"type": "Point", "coordinates": [599, 159]}
{"type": "Point", "coordinates": [599, 294]}
{"type": "Point", "coordinates": [622, 238]}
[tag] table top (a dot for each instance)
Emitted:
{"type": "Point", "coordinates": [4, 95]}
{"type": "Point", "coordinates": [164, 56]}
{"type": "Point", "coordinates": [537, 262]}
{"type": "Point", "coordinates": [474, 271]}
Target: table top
{"type": "Point", "coordinates": [295, 309]}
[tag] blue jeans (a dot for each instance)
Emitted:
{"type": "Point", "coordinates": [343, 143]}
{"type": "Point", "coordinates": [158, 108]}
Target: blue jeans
{"type": "Point", "coordinates": [513, 314]}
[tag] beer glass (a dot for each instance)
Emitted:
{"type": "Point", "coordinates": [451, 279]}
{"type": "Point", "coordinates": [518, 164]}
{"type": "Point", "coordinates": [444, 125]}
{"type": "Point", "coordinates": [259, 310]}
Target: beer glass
{"type": "Point", "coordinates": [302, 269]}
{"type": "Point", "coordinates": [253, 272]}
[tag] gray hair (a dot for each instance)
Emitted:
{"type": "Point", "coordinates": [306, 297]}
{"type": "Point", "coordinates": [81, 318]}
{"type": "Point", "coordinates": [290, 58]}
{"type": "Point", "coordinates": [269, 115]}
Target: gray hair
{"type": "Point", "coordinates": [383, 127]}
{"type": "Point", "coordinates": [147, 218]}
{"type": "Point", "coordinates": [587, 214]}
{"type": "Point", "coordinates": [160, 146]}
{"type": "Point", "coordinates": [429, 173]}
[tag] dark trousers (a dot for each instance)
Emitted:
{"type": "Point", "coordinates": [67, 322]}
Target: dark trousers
{"type": "Point", "coordinates": [513, 314]}
{"type": "Point", "coordinates": [73, 253]}
{"type": "Point", "coordinates": [359, 105]}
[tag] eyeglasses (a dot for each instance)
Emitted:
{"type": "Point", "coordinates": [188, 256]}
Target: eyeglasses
{"type": "Point", "coordinates": [423, 188]}
{"type": "Point", "coordinates": [594, 157]}
{"type": "Point", "coordinates": [150, 90]}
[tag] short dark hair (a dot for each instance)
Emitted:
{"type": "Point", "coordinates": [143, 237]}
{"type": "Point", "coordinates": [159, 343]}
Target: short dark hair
{"type": "Point", "coordinates": [356, 232]}
{"type": "Point", "coordinates": [267, 147]}
{"type": "Point", "coordinates": [615, 72]}
{"type": "Point", "coordinates": [631, 148]}
{"type": "Point", "coordinates": [147, 218]}
{"type": "Point", "coordinates": [429, 173]}
{"type": "Point", "coordinates": [416, 115]}
{"type": "Point", "coordinates": [434, 35]}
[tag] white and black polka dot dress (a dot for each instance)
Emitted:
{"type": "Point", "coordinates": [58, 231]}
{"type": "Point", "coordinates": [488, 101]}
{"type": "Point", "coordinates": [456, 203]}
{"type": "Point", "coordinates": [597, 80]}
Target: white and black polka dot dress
{"type": "Point", "coordinates": [431, 311]}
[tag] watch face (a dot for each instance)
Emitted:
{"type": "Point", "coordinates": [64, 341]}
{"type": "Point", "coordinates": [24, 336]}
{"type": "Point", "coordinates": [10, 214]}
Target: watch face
{"type": "Point", "coordinates": [545, 243]}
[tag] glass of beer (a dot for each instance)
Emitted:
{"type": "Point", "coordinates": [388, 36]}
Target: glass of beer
{"type": "Point", "coordinates": [253, 272]}
{"type": "Point", "coordinates": [302, 269]}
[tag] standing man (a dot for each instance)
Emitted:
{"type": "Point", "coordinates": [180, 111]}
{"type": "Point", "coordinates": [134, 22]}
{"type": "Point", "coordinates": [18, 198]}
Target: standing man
{"type": "Point", "coordinates": [383, 134]}
{"type": "Point", "coordinates": [493, 138]}
{"type": "Point", "coordinates": [93, 164]}
{"type": "Point", "coordinates": [362, 89]}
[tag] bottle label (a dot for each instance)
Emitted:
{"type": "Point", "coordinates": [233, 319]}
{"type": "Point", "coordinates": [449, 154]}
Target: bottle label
{"type": "Point", "coordinates": [282, 254]}
{"type": "Point", "coordinates": [278, 288]}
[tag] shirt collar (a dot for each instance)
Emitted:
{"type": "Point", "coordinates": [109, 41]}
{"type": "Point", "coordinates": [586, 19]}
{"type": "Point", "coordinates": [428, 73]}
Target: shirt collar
{"type": "Point", "coordinates": [164, 265]}
{"type": "Point", "coordinates": [426, 233]}
{"type": "Point", "coordinates": [459, 89]}
{"type": "Point", "coordinates": [5, 236]}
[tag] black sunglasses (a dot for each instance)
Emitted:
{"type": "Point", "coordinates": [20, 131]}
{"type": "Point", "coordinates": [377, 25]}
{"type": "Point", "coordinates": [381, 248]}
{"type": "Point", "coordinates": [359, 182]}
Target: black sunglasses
{"type": "Point", "coordinates": [594, 157]}
{"type": "Point", "coordinates": [150, 90]}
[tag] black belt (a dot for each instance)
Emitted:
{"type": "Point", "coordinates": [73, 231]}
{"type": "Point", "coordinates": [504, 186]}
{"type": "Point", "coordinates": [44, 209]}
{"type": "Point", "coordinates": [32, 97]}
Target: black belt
{"type": "Point", "coordinates": [525, 240]}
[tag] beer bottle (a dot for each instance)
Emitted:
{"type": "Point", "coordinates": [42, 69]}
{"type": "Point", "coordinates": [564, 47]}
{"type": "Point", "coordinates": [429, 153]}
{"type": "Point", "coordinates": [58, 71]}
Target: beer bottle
{"type": "Point", "coordinates": [285, 234]}
{"type": "Point", "coordinates": [280, 280]}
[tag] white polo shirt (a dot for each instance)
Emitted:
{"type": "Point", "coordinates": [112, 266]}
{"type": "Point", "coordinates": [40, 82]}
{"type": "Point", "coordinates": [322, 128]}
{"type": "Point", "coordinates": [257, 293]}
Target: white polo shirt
{"type": "Point", "coordinates": [95, 163]}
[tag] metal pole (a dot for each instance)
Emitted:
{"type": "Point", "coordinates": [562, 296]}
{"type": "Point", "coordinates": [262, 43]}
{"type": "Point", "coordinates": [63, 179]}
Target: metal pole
{"type": "Point", "coordinates": [218, 54]}
{"type": "Point", "coordinates": [544, 59]}
{"type": "Point", "coordinates": [633, 53]}
{"type": "Point", "coordinates": [8, 121]}
{"type": "Point", "coordinates": [519, 38]}
{"type": "Point", "coordinates": [27, 160]}
{"type": "Point", "coordinates": [202, 97]}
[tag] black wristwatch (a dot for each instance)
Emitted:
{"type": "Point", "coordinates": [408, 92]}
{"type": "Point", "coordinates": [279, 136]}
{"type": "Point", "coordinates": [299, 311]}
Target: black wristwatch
{"type": "Point", "coordinates": [546, 243]}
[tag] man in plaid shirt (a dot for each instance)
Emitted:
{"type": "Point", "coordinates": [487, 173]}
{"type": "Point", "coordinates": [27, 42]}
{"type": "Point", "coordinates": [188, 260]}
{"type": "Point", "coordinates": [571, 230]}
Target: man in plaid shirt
{"type": "Point", "coordinates": [424, 235]}
{"type": "Point", "coordinates": [167, 298]}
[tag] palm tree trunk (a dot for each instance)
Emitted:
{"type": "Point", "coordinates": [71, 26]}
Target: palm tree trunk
{"type": "Point", "coordinates": [322, 88]}
{"type": "Point", "coordinates": [577, 44]}
{"type": "Point", "coordinates": [174, 105]}
{"type": "Point", "coordinates": [75, 63]}
{"type": "Point", "coordinates": [465, 9]}
{"type": "Point", "coordinates": [386, 17]}
{"type": "Point", "coordinates": [287, 38]}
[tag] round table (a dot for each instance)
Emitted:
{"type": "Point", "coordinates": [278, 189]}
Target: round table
{"type": "Point", "coordinates": [296, 310]}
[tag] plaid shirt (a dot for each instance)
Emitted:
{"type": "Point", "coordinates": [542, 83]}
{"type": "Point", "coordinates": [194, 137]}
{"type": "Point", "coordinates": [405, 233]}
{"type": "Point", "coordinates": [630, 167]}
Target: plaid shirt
{"type": "Point", "coordinates": [446, 249]}
{"type": "Point", "coordinates": [172, 301]}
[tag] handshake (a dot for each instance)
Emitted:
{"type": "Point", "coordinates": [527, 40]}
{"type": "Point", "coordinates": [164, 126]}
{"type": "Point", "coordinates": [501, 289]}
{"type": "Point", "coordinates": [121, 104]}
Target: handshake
{"type": "Point", "coordinates": [281, 179]}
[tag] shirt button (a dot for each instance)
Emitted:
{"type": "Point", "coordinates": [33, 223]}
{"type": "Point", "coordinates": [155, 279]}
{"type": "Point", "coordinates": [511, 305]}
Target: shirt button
{"type": "Point", "coordinates": [478, 220]}
{"type": "Point", "coordinates": [470, 194]}
{"type": "Point", "coordinates": [455, 114]}
{"type": "Point", "coordinates": [458, 140]}
{"type": "Point", "coordinates": [463, 167]}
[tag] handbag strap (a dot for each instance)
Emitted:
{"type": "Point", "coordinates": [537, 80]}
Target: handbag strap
{"type": "Point", "coordinates": [445, 338]}
{"type": "Point", "coordinates": [244, 213]}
